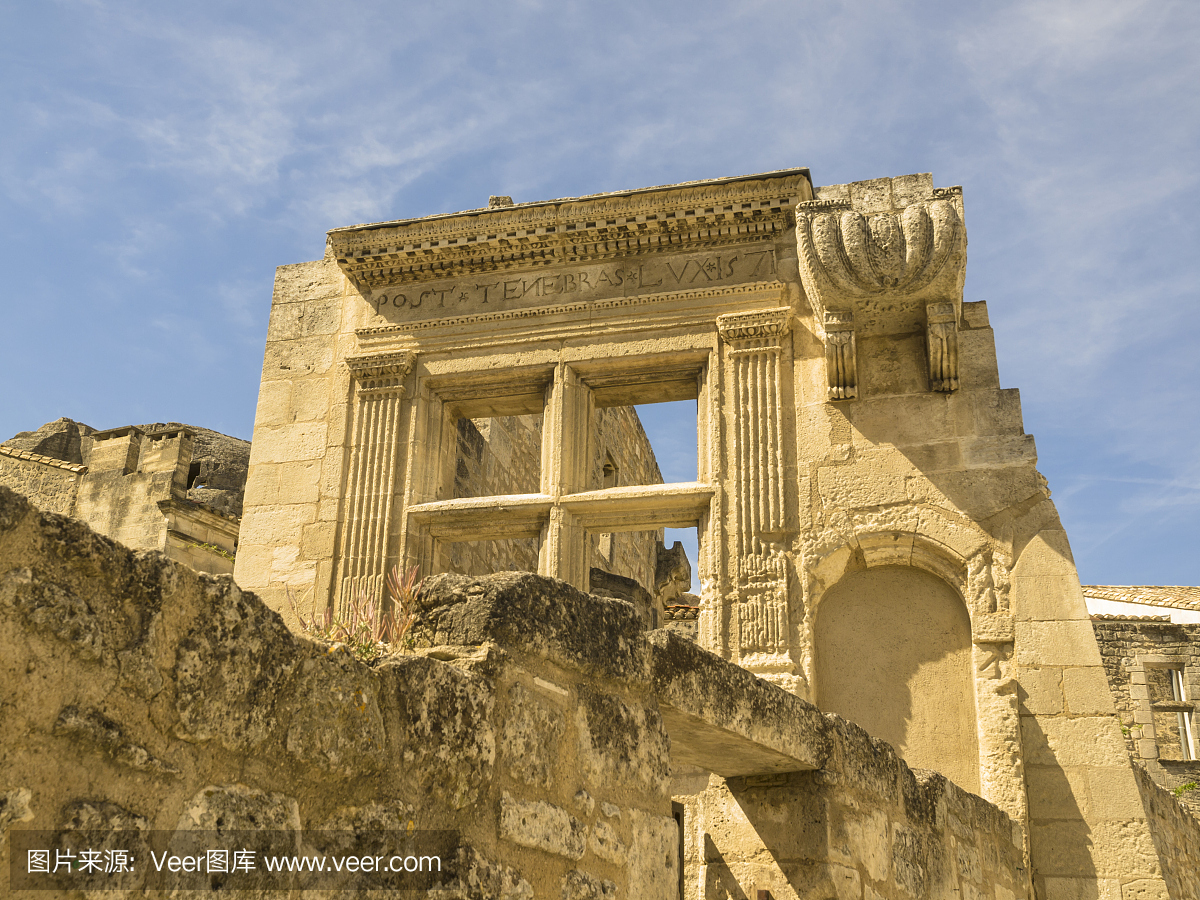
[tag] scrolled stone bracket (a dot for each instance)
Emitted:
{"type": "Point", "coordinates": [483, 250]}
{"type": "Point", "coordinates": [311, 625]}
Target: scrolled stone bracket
{"type": "Point", "coordinates": [941, 333]}
{"type": "Point", "coordinates": [841, 356]}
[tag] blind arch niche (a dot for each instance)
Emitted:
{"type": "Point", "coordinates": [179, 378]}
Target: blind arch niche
{"type": "Point", "coordinates": [893, 654]}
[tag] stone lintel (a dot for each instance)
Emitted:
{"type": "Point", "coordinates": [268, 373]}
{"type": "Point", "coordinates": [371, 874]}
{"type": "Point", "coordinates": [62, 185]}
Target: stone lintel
{"type": "Point", "coordinates": [726, 720]}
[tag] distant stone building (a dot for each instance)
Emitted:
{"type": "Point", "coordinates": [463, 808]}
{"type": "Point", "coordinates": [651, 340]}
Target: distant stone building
{"type": "Point", "coordinates": [1151, 652]}
{"type": "Point", "coordinates": [168, 487]}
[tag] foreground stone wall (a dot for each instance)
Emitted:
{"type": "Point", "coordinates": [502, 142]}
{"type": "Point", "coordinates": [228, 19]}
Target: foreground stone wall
{"type": "Point", "coordinates": [143, 696]}
{"type": "Point", "coordinates": [1176, 837]}
{"type": "Point", "coordinates": [140, 695]}
{"type": "Point", "coordinates": [863, 826]}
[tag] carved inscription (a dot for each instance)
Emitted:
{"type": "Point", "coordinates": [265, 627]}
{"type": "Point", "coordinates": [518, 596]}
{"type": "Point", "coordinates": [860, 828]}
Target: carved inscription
{"type": "Point", "coordinates": [492, 292]}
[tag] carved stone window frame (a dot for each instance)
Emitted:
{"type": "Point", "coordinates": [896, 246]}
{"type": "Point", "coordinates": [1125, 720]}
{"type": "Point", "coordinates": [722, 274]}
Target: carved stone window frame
{"type": "Point", "coordinates": [1146, 741]}
{"type": "Point", "coordinates": [565, 509]}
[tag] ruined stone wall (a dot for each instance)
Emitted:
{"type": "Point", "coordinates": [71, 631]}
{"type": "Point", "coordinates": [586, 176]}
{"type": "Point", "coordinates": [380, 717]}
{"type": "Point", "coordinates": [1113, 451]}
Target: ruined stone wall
{"type": "Point", "coordinates": [1176, 837]}
{"type": "Point", "coordinates": [617, 436]}
{"type": "Point", "coordinates": [140, 695]}
{"type": "Point", "coordinates": [154, 487]}
{"type": "Point", "coordinates": [1138, 654]}
{"type": "Point", "coordinates": [54, 484]}
{"type": "Point", "coordinates": [144, 697]}
{"type": "Point", "coordinates": [129, 473]}
{"type": "Point", "coordinates": [865, 825]}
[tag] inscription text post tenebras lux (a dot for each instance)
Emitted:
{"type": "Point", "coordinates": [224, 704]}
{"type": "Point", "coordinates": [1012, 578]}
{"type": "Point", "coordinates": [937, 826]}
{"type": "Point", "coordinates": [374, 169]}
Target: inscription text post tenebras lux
{"type": "Point", "coordinates": [588, 282]}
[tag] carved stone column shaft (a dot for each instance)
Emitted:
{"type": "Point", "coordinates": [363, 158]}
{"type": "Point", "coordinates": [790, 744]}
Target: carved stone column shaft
{"type": "Point", "coordinates": [759, 625]}
{"type": "Point", "coordinates": [371, 480]}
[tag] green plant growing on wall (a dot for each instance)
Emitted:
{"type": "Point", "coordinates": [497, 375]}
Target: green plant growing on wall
{"type": "Point", "coordinates": [1184, 788]}
{"type": "Point", "coordinates": [368, 627]}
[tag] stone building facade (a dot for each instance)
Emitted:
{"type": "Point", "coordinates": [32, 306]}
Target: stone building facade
{"type": "Point", "coordinates": [168, 487]}
{"type": "Point", "coordinates": [874, 534]}
{"type": "Point", "coordinates": [1153, 668]}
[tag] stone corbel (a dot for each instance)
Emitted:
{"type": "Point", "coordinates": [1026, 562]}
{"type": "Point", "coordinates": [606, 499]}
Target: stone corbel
{"type": "Point", "coordinates": [942, 335]}
{"type": "Point", "coordinates": [841, 359]}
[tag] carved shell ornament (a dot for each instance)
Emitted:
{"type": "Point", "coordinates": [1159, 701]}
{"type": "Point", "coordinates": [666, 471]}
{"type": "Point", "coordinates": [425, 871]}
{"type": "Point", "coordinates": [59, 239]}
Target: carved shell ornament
{"type": "Point", "coordinates": [863, 255]}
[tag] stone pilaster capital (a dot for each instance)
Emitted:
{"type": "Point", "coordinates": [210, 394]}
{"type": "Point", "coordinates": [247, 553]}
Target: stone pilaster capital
{"type": "Point", "coordinates": [381, 365]}
{"type": "Point", "coordinates": [755, 325]}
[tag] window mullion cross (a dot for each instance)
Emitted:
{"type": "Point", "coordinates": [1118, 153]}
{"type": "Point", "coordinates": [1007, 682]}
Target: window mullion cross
{"type": "Point", "coordinates": [565, 446]}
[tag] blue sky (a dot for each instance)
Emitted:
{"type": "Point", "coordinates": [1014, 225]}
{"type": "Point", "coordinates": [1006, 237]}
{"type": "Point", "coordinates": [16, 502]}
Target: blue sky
{"type": "Point", "coordinates": [157, 161]}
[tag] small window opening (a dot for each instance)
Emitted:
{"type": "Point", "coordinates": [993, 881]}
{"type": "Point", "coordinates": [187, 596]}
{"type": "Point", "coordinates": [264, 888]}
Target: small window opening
{"type": "Point", "coordinates": [194, 475]}
{"type": "Point", "coordinates": [1171, 713]}
{"type": "Point", "coordinates": [1187, 738]}
{"type": "Point", "coordinates": [609, 471]}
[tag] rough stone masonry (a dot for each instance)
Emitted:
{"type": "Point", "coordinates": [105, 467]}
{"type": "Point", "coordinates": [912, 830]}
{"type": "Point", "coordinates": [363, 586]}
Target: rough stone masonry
{"type": "Point", "coordinates": [539, 725]}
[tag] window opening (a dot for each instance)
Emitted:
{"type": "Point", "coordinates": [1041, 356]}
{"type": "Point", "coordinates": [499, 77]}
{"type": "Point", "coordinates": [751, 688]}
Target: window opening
{"type": "Point", "coordinates": [670, 428]}
{"type": "Point", "coordinates": [1171, 713]}
{"type": "Point", "coordinates": [1185, 719]}
{"type": "Point", "coordinates": [488, 557]}
{"type": "Point", "coordinates": [689, 541]}
{"type": "Point", "coordinates": [497, 455]}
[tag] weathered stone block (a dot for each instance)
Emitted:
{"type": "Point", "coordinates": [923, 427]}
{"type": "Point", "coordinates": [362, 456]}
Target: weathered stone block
{"type": "Point", "coordinates": [1086, 691]}
{"type": "Point", "coordinates": [542, 826]}
{"type": "Point", "coordinates": [1051, 741]}
{"type": "Point", "coordinates": [1041, 690]}
{"type": "Point", "coordinates": [536, 615]}
{"type": "Point", "coordinates": [289, 443]}
{"type": "Point", "coordinates": [1060, 643]}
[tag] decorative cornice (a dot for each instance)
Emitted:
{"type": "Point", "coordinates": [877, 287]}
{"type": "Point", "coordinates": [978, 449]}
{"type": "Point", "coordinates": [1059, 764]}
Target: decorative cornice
{"type": "Point", "coordinates": [380, 331]}
{"type": "Point", "coordinates": [755, 325]}
{"type": "Point", "coordinates": [678, 218]}
{"type": "Point", "coordinates": [43, 460]}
